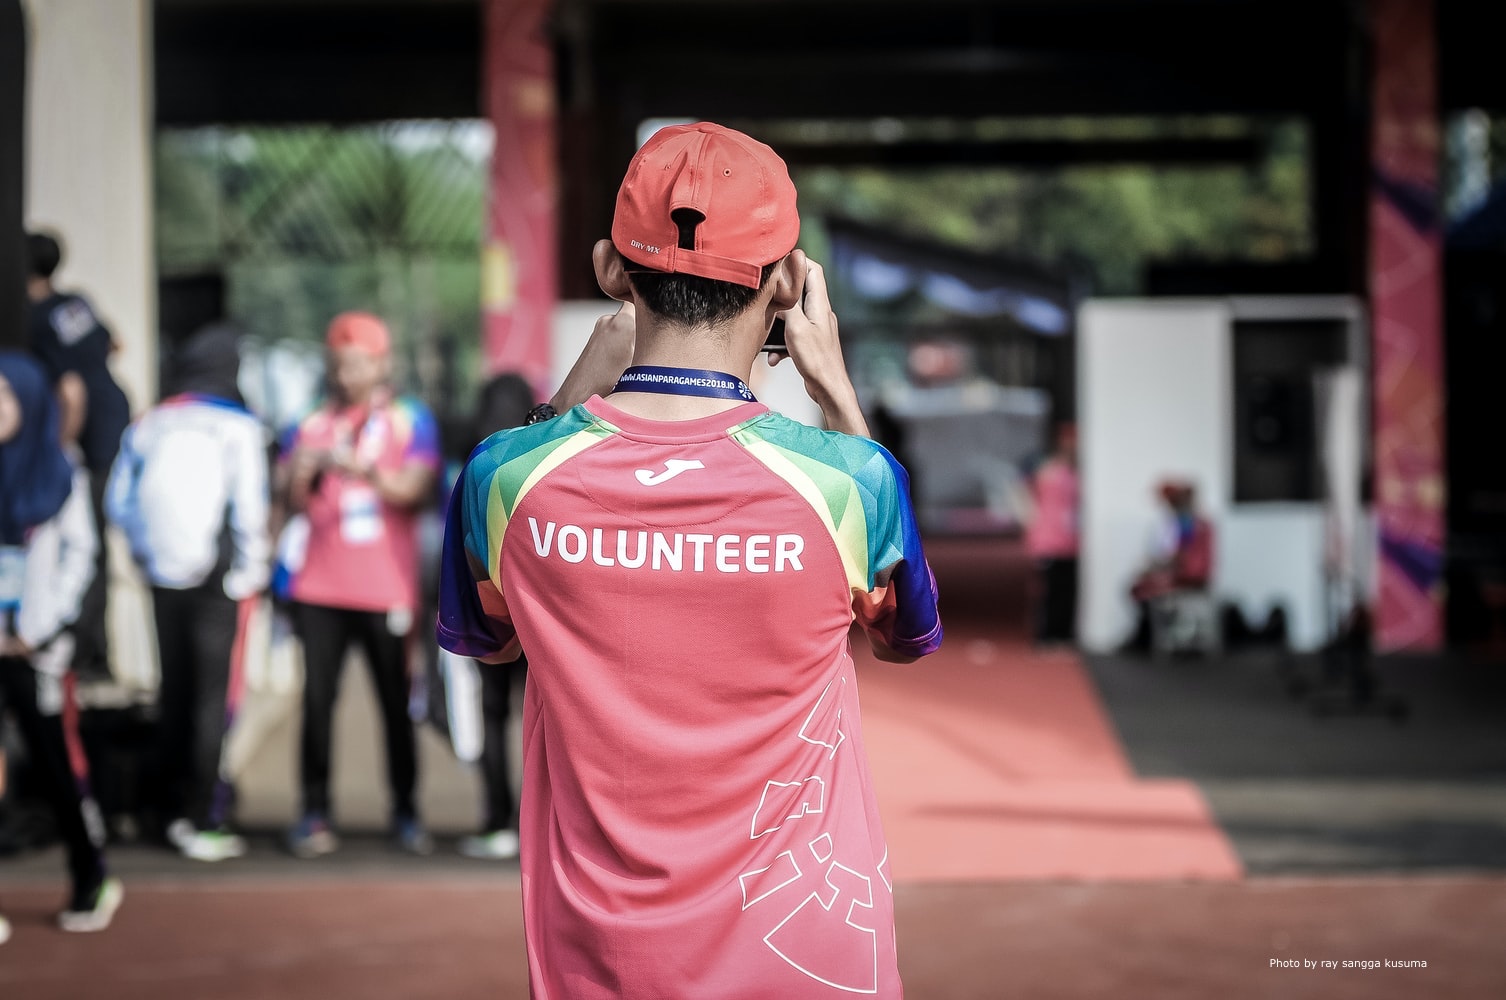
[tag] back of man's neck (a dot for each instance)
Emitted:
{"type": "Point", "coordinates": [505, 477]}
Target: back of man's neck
{"type": "Point", "coordinates": [666, 347]}
{"type": "Point", "coordinates": [667, 406]}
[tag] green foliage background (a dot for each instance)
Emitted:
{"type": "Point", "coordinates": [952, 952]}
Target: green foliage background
{"type": "Point", "coordinates": [307, 222]}
{"type": "Point", "coordinates": [1103, 224]}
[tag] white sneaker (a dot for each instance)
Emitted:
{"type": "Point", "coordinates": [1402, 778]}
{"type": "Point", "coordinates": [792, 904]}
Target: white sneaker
{"type": "Point", "coordinates": [99, 912]}
{"type": "Point", "coordinates": [498, 846]}
{"type": "Point", "coordinates": [213, 845]}
{"type": "Point", "coordinates": [180, 832]}
{"type": "Point", "coordinates": [4, 930]}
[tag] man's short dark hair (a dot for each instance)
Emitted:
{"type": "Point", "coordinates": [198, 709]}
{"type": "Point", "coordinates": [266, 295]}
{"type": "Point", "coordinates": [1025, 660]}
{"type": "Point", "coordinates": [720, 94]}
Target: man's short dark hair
{"type": "Point", "coordinates": [43, 255]}
{"type": "Point", "coordinates": [690, 299]}
{"type": "Point", "coordinates": [694, 301]}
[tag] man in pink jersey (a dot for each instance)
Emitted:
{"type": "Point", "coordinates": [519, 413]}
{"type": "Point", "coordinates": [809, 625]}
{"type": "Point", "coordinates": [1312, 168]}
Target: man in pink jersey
{"type": "Point", "coordinates": [683, 567]}
{"type": "Point", "coordinates": [360, 468]}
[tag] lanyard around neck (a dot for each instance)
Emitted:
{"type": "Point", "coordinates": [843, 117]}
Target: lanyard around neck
{"type": "Point", "coordinates": [684, 382]}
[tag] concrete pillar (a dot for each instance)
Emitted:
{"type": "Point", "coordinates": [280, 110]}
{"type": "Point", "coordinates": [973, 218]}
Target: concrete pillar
{"type": "Point", "coordinates": [88, 170]}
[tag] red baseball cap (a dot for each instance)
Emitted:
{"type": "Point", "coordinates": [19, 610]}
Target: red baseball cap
{"type": "Point", "coordinates": [739, 186]}
{"type": "Point", "coordinates": [358, 329]}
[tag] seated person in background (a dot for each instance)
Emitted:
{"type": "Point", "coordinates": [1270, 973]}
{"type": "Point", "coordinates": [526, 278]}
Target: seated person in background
{"type": "Point", "coordinates": [1181, 557]}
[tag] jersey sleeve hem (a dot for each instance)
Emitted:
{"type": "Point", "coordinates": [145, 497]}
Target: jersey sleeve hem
{"type": "Point", "coordinates": [463, 644]}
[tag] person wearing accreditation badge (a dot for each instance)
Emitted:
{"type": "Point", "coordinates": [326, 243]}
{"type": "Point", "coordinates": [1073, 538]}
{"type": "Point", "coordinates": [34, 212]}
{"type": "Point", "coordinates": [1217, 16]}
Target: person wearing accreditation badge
{"type": "Point", "coordinates": [360, 468]}
{"type": "Point", "coordinates": [683, 566]}
{"type": "Point", "coordinates": [47, 546]}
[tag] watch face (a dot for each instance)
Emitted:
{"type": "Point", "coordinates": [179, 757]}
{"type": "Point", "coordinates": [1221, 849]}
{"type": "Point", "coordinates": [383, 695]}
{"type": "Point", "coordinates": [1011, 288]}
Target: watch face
{"type": "Point", "coordinates": [540, 413]}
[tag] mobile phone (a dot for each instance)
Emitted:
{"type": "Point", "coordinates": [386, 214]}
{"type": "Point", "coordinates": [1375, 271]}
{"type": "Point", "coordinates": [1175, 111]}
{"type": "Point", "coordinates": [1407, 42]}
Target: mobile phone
{"type": "Point", "coordinates": [775, 340]}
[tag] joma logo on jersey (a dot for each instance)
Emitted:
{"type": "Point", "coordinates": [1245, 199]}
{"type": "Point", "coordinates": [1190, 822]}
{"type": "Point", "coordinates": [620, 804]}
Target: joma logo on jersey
{"type": "Point", "coordinates": [672, 468]}
{"type": "Point", "coordinates": [678, 552]}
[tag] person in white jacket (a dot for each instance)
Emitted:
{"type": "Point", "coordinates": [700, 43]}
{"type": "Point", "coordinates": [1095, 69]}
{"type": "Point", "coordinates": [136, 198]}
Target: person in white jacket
{"type": "Point", "coordinates": [47, 547]}
{"type": "Point", "coordinates": [189, 489]}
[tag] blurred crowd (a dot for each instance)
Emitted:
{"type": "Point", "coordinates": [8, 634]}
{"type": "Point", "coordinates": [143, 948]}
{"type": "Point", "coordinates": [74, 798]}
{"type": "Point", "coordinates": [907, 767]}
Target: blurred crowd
{"type": "Point", "coordinates": [327, 529]}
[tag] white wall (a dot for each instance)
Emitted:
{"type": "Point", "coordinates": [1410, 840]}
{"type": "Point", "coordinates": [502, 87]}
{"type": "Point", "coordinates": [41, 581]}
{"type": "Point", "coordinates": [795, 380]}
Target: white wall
{"type": "Point", "coordinates": [1153, 393]}
{"type": "Point", "coordinates": [89, 165]}
{"type": "Point", "coordinates": [1156, 399]}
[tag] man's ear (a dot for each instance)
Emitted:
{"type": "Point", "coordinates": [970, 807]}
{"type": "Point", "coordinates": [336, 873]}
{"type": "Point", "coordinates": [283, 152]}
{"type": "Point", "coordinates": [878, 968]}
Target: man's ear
{"type": "Point", "coordinates": [787, 281]}
{"type": "Point", "coordinates": [611, 273]}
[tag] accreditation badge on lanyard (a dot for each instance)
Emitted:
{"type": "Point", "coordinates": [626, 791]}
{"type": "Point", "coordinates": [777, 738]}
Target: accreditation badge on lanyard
{"type": "Point", "coordinates": [360, 507]}
{"type": "Point", "coordinates": [12, 576]}
{"type": "Point", "coordinates": [684, 382]}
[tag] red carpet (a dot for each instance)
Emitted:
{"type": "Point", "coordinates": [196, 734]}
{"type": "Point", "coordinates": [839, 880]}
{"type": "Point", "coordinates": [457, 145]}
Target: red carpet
{"type": "Point", "coordinates": [994, 761]}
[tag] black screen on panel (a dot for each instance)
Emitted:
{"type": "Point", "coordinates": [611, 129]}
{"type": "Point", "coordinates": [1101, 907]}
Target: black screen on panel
{"type": "Point", "coordinates": [1275, 419]}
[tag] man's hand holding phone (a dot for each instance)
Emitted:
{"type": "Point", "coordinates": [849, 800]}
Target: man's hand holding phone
{"type": "Point", "coordinates": [607, 353]}
{"type": "Point", "coordinates": [811, 341]}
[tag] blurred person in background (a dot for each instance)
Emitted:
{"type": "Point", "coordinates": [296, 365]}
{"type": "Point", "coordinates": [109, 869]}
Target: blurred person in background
{"type": "Point", "coordinates": [47, 543]}
{"type": "Point", "coordinates": [75, 348]}
{"type": "Point", "coordinates": [189, 489]}
{"type": "Point", "coordinates": [504, 402]}
{"type": "Point", "coordinates": [1181, 555]}
{"type": "Point", "coordinates": [360, 468]}
{"type": "Point", "coordinates": [1051, 539]}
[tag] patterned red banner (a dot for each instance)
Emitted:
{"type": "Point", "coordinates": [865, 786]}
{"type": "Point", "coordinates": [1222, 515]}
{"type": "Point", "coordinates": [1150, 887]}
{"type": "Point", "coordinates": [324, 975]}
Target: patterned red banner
{"type": "Point", "coordinates": [519, 283]}
{"type": "Point", "coordinates": [1406, 253]}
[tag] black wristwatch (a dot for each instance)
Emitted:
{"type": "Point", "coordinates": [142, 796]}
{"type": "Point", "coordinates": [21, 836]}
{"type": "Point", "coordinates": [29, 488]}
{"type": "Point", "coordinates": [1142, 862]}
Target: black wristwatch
{"type": "Point", "coordinates": [540, 413]}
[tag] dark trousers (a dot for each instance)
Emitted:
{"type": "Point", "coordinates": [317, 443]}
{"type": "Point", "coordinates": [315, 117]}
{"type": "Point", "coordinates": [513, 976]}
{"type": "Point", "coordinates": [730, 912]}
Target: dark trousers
{"type": "Point", "coordinates": [91, 649]}
{"type": "Point", "coordinates": [76, 815]}
{"type": "Point", "coordinates": [1056, 602]}
{"type": "Point", "coordinates": [326, 634]}
{"type": "Point", "coordinates": [496, 707]}
{"type": "Point", "coordinates": [197, 632]}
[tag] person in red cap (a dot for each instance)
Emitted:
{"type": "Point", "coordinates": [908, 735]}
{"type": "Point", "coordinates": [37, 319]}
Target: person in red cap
{"type": "Point", "coordinates": [683, 567]}
{"type": "Point", "coordinates": [359, 468]}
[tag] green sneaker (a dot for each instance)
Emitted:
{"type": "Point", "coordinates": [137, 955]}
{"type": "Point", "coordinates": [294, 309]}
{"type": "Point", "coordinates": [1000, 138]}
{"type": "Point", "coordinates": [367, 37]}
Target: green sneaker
{"type": "Point", "coordinates": [95, 912]}
{"type": "Point", "coordinates": [204, 845]}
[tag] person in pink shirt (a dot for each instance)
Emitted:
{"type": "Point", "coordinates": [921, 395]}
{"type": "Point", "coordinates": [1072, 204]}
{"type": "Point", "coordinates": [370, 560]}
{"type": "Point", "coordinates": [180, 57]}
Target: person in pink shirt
{"type": "Point", "coordinates": [360, 468]}
{"type": "Point", "coordinates": [683, 567]}
{"type": "Point", "coordinates": [1051, 539]}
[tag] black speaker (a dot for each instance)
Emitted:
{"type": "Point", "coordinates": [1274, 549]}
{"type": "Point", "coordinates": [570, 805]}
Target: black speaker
{"type": "Point", "coordinates": [1272, 413]}
{"type": "Point", "coordinates": [1275, 432]}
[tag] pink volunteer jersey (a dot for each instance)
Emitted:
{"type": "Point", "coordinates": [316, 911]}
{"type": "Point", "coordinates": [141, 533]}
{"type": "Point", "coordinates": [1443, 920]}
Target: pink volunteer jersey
{"type": "Point", "coordinates": [698, 817]}
{"type": "Point", "coordinates": [362, 552]}
{"type": "Point", "coordinates": [1052, 532]}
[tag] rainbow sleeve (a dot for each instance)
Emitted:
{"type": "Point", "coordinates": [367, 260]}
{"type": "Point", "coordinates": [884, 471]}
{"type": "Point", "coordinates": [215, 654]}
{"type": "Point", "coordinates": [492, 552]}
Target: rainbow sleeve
{"type": "Point", "coordinates": [473, 616]}
{"type": "Point", "coordinates": [862, 495]}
